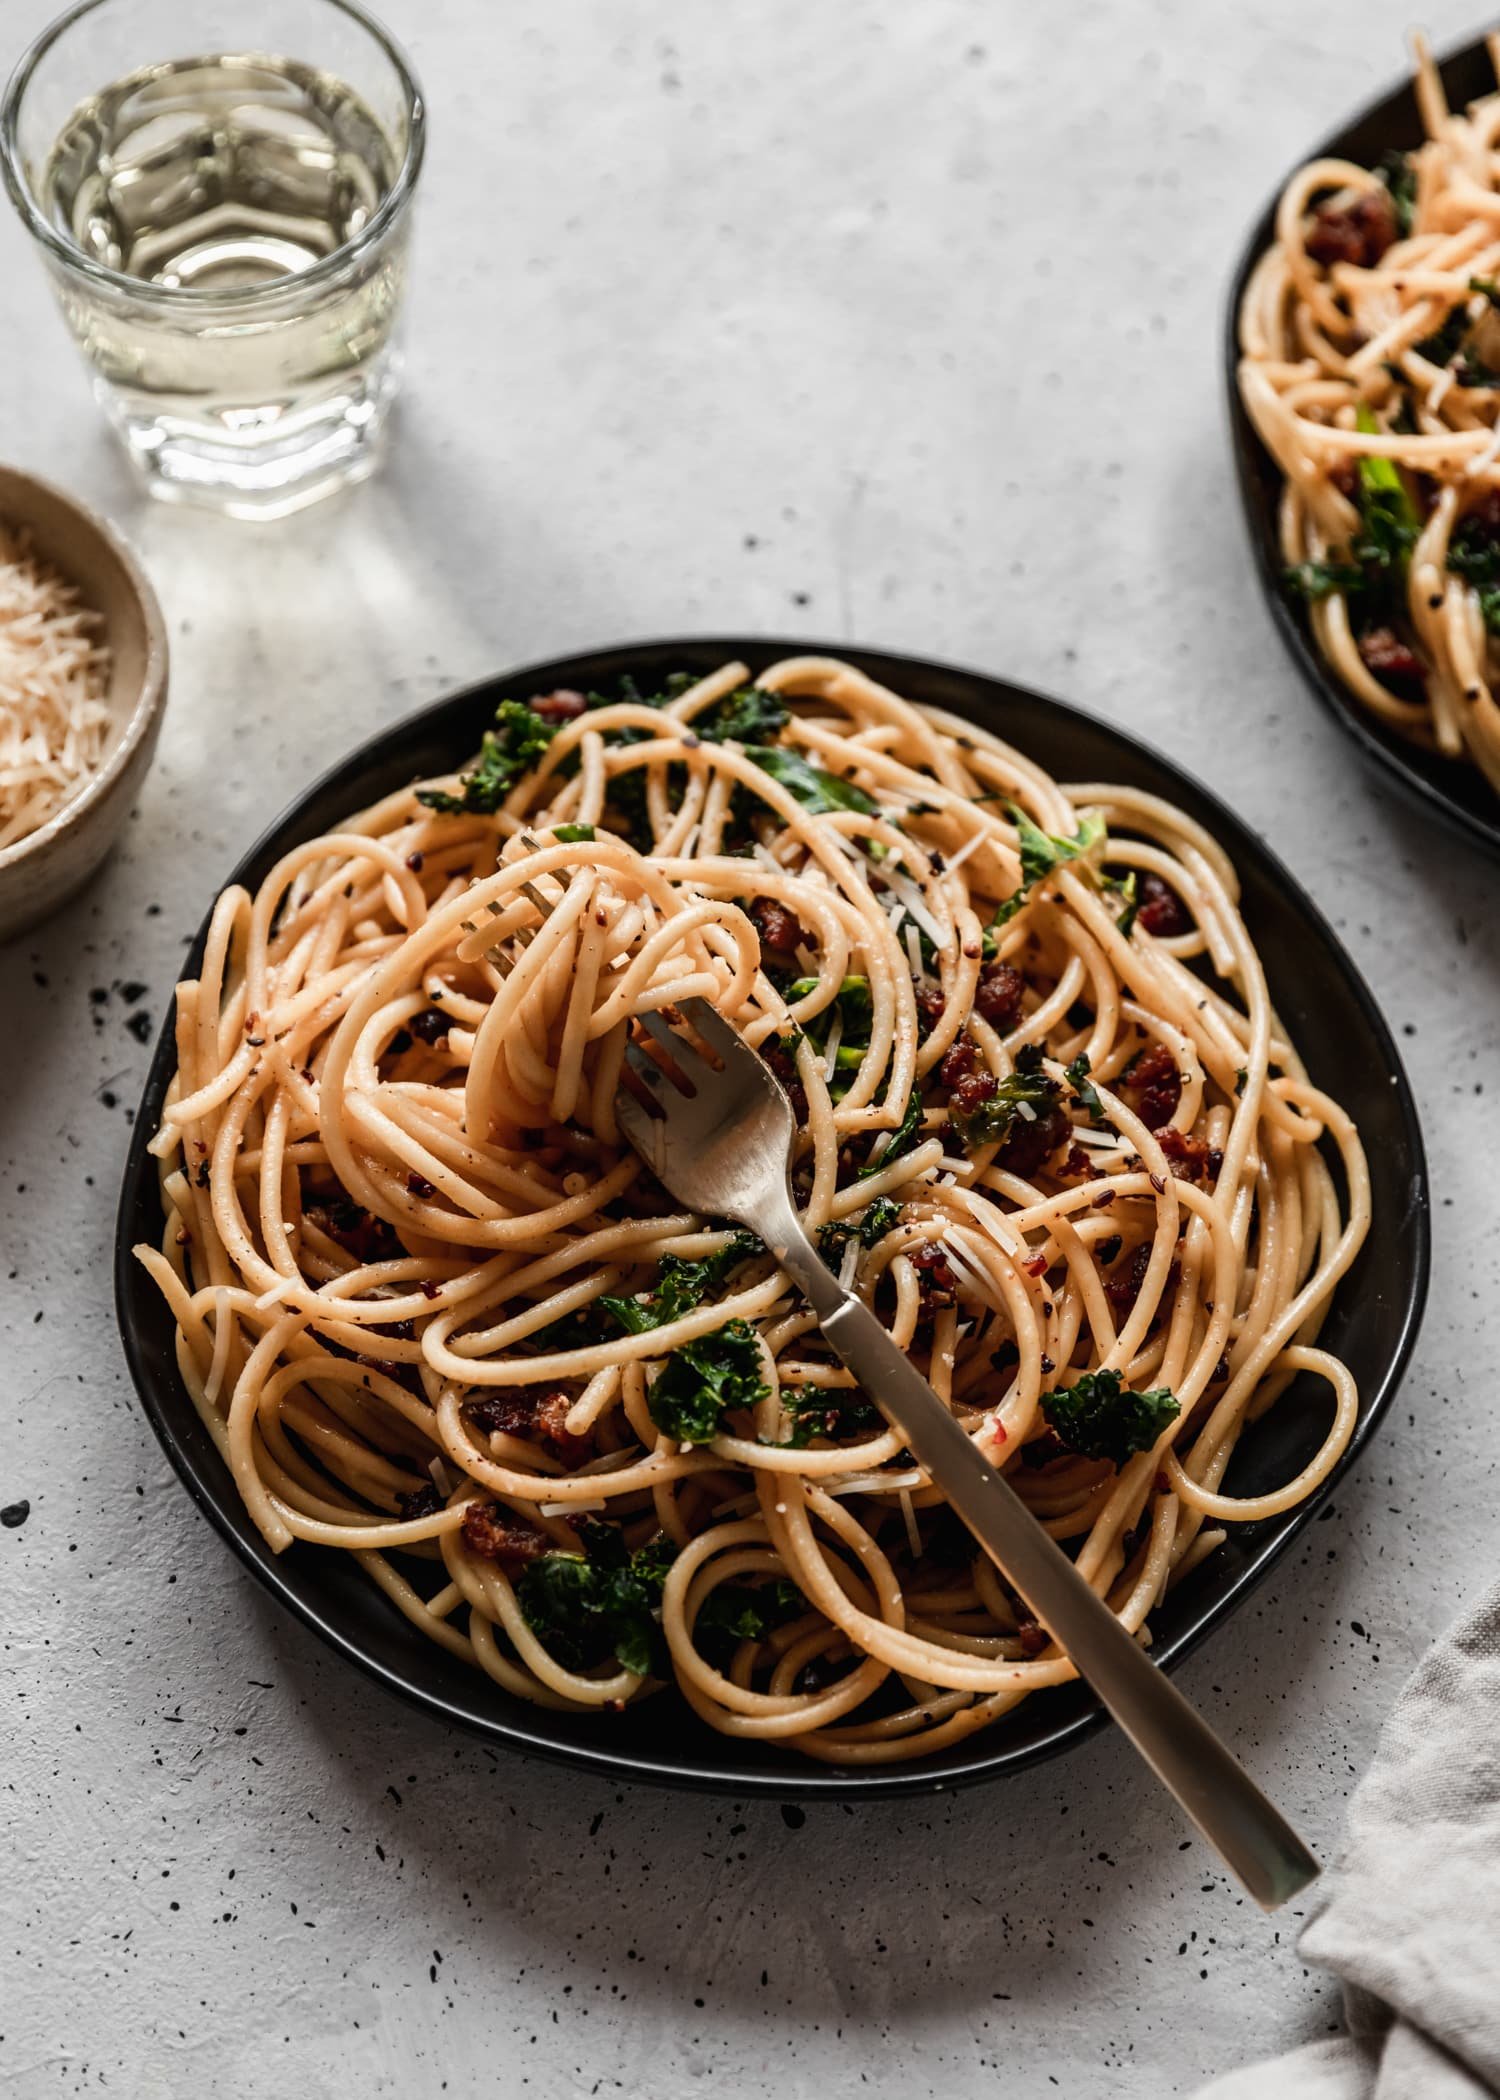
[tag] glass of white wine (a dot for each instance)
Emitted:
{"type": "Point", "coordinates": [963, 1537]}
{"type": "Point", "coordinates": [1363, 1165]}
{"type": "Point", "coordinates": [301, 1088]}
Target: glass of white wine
{"type": "Point", "coordinates": [226, 229]}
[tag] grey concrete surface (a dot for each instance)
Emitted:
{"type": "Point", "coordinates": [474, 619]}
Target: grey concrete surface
{"type": "Point", "coordinates": [894, 323]}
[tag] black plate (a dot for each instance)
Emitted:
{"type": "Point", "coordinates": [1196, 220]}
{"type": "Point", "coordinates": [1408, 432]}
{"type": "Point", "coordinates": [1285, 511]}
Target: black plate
{"type": "Point", "coordinates": [1372, 1325]}
{"type": "Point", "coordinates": [1456, 792]}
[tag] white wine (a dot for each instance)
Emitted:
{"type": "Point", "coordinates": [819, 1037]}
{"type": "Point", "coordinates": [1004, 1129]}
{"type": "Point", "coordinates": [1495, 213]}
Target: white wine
{"type": "Point", "coordinates": [257, 353]}
{"type": "Point", "coordinates": [218, 172]}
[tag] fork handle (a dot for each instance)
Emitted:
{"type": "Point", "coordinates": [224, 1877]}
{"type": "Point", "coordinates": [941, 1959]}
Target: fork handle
{"type": "Point", "coordinates": [1209, 1783]}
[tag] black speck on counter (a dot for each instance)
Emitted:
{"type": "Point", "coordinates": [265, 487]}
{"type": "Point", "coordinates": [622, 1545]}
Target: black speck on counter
{"type": "Point", "coordinates": [794, 1818]}
{"type": "Point", "coordinates": [14, 1515]}
{"type": "Point", "coordinates": [99, 995]}
{"type": "Point", "coordinates": [132, 991]}
{"type": "Point", "coordinates": [139, 1025]}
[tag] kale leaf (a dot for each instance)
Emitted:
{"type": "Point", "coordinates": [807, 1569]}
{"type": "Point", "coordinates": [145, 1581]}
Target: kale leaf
{"type": "Point", "coordinates": [1040, 852]}
{"type": "Point", "coordinates": [829, 1411]}
{"type": "Point", "coordinates": [1391, 519]}
{"type": "Point", "coordinates": [902, 1140]}
{"type": "Point", "coordinates": [1315, 580]}
{"type": "Point", "coordinates": [1025, 1092]}
{"type": "Point", "coordinates": [1125, 889]}
{"type": "Point", "coordinates": [817, 791]}
{"type": "Point", "coordinates": [1445, 342]}
{"type": "Point", "coordinates": [1474, 551]}
{"type": "Point", "coordinates": [856, 1009]}
{"type": "Point", "coordinates": [703, 1379]}
{"type": "Point", "coordinates": [673, 686]}
{"type": "Point", "coordinates": [1389, 525]}
{"type": "Point", "coordinates": [680, 1285]}
{"type": "Point", "coordinates": [626, 792]}
{"type": "Point", "coordinates": [871, 1226]}
{"type": "Point", "coordinates": [1400, 178]}
{"type": "Point", "coordinates": [573, 834]}
{"type": "Point", "coordinates": [1100, 1416]}
{"type": "Point", "coordinates": [747, 716]}
{"type": "Point", "coordinates": [584, 1609]}
{"type": "Point", "coordinates": [742, 1611]}
{"type": "Point", "coordinates": [510, 749]}
{"type": "Point", "coordinates": [1084, 1088]}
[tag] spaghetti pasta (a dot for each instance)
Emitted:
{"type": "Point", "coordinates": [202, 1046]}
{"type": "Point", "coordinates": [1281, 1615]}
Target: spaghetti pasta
{"type": "Point", "coordinates": [1370, 367]}
{"type": "Point", "coordinates": [432, 1308]}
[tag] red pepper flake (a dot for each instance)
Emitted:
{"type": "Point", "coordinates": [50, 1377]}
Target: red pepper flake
{"type": "Point", "coordinates": [419, 1185]}
{"type": "Point", "coordinates": [1158, 1184]}
{"type": "Point", "coordinates": [1103, 1202]}
{"type": "Point", "coordinates": [1037, 1266]}
{"type": "Point", "coordinates": [1033, 1638]}
{"type": "Point", "coordinates": [997, 1433]}
{"type": "Point", "coordinates": [415, 861]}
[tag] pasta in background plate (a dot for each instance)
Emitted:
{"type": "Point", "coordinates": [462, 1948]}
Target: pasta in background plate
{"type": "Point", "coordinates": [1370, 367]}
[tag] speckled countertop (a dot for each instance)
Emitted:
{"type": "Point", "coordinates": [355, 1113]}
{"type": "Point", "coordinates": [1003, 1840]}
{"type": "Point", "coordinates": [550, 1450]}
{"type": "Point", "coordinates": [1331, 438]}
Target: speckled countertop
{"type": "Point", "coordinates": [894, 323]}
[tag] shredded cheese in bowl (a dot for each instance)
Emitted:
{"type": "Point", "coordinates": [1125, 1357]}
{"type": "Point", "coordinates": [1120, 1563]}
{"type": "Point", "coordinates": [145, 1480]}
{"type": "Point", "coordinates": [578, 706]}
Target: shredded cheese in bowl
{"type": "Point", "coordinates": [53, 671]}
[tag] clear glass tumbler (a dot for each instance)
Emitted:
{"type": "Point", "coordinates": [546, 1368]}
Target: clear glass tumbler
{"type": "Point", "coordinates": [222, 197]}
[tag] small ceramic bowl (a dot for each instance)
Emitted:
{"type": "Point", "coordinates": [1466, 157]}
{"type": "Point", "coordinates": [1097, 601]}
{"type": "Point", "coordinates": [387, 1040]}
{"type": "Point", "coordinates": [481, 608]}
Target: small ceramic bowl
{"type": "Point", "coordinates": [44, 869]}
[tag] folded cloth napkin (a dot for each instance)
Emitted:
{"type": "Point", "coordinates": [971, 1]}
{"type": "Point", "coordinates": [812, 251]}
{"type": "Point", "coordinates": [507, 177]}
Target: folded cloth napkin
{"type": "Point", "coordinates": [1410, 1921]}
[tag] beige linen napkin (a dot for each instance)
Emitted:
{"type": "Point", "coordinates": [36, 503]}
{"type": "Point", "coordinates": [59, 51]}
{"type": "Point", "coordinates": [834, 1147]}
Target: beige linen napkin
{"type": "Point", "coordinates": [1410, 1921]}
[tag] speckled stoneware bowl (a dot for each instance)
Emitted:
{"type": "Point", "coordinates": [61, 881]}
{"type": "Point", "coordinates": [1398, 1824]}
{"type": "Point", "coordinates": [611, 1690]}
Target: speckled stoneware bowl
{"type": "Point", "coordinates": [42, 871]}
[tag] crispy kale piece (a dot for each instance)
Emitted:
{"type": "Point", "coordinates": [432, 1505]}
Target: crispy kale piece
{"type": "Point", "coordinates": [584, 1609]}
{"type": "Point", "coordinates": [680, 1285]}
{"type": "Point", "coordinates": [1100, 1417]}
{"type": "Point", "coordinates": [703, 1380]}
{"type": "Point", "coordinates": [510, 749]}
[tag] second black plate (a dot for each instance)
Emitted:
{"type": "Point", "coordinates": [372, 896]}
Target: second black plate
{"type": "Point", "coordinates": [1371, 1325]}
{"type": "Point", "coordinates": [1457, 793]}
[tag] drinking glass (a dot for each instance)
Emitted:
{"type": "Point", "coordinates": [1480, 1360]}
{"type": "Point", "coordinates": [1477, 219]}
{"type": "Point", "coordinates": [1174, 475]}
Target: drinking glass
{"type": "Point", "coordinates": [222, 197]}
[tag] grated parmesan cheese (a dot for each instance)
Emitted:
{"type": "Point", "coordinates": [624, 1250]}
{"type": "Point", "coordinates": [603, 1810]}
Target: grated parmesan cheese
{"type": "Point", "coordinates": [913, 951]}
{"type": "Point", "coordinates": [988, 1218]}
{"type": "Point", "coordinates": [831, 1046]}
{"type": "Point", "coordinates": [970, 845]}
{"type": "Point", "coordinates": [903, 887]}
{"type": "Point", "coordinates": [53, 716]}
